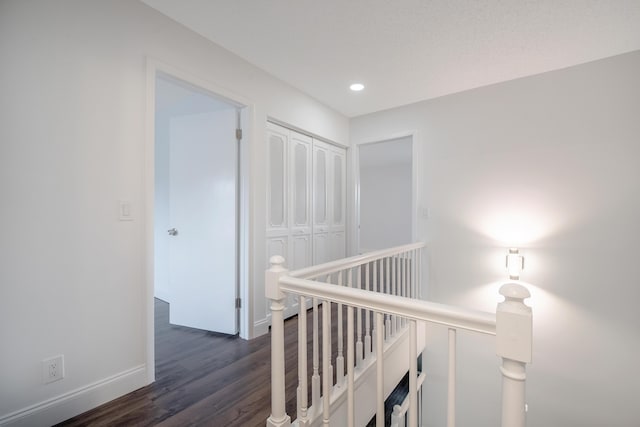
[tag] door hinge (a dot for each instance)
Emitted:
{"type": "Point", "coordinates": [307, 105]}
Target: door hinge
{"type": "Point", "coordinates": [238, 303]}
{"type": "Point", "coordinates": [238, 134]}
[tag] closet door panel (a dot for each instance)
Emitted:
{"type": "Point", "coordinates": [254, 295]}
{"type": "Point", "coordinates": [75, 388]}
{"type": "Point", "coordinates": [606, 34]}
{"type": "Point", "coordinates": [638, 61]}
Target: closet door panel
{"type": "Point", "coordinates": [338, 188]}
{"type": "Point", "coordinates": [301, 251]}
{"type": "Point", "coordinates": [337, 229]}
{"type": "Point", "coordinates": [321, 187]}
{"type": "Point", "coordinates": [277, 186]}
{"type": "Point", "coordinates": [321, 248]}
{"type": "Point", "coordinates": [300, 182]}
{"type": "Point", "coordinates": [338, 245]}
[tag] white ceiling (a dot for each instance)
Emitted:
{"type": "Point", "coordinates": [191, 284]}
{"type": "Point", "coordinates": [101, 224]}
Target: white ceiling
{"type": "Point", "coordinates": [406, 51]}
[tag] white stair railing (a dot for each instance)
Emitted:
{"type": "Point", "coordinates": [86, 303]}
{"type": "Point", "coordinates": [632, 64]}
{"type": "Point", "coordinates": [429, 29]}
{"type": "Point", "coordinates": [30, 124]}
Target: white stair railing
{"type": "Point", "coordinates": [381, 287]}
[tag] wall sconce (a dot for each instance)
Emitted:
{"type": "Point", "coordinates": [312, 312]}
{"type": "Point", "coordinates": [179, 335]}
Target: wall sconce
{"type": "Point", "coordinates": [514, 263]}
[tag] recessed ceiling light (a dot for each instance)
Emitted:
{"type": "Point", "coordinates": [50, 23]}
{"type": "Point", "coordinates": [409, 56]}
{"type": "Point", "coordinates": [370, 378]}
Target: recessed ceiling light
{"type": "Point", "coordinates": [356, 87]}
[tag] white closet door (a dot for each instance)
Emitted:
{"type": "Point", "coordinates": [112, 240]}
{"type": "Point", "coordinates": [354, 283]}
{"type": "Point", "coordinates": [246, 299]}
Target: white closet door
{"type": "Point", "coordinates": [321, 202]}
{"type": "Point", "coordinates": [337, 229]}
{"type": "Point", "coordinates": [277, 186]}
{"type": "Point", "coordinates": [300, 188]}
{"type": "Point", "coordinates": [306, 199]}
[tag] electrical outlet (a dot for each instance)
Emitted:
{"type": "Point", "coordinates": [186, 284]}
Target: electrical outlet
{"type": "Point", "coordinates": [53, 369]}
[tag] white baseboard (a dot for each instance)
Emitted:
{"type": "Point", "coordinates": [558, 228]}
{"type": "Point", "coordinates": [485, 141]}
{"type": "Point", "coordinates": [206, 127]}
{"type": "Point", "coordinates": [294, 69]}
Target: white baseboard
{"type": "Point", "coordinates": [261, 327]}
{"type": "Point", "coordinates": [75, 402]}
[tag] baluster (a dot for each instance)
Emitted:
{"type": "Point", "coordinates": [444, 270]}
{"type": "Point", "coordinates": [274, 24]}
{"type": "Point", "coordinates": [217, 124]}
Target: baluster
{"type": "Point", "coordinates": [340, 357]}
{"type": "Point", "coordinates": [413, 374]}
{"type": "Point", "coordinates": [394, 319]}
{"type": "Point", "coordinates": [367, 313]}
{"type": "Point", "coordinates": [326, 359]}
{"type": "Point", "coordinates": [401, 283]}
{"type": "Point", "coordinates": [405, 281]}
{"type": "Point", "coordinates": [315, 377]}
{"type": "Point", "coordinates": [392, 289]}
{"type": "Point", "coordinates": [374, 335]}
{"type": "Point", "coordinates": [303, 403]}
{"type": "Point", "coordinates": [397, 416]}
{"type": "Point", "coordinates": [451, 389]}
{"type": "Point", "coordinates": [278, 417]}
{"type": "Point", "coordinates": [412, 276]}
{"type": "Point", "coordinates": [359, 346]}
{"type": "Point", "coordinates": [350, 366]}
{"type": "Point", "coordinates": [329, 321]}
{"type": "Point", "coordinates": [379, 373]}
{"type": "Point", "coordinates": [420, 273]}
{"type": "Point", "coordinates": [416, 270]}
{"type": "Point", "coordinates": [387, 323]}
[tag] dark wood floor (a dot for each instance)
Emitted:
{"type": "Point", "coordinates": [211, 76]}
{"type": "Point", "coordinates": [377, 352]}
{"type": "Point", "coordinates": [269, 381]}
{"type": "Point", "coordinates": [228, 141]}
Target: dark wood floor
{"type": "Point", "coordinates": [202, 378]}
{"type": "Point", "coordinates": [206, 379]}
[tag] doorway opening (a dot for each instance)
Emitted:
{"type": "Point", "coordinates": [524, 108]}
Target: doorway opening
{"type": "Point", "coordinates": [197, 252]}
{"type": "Point", "coordinates": [385, 206]}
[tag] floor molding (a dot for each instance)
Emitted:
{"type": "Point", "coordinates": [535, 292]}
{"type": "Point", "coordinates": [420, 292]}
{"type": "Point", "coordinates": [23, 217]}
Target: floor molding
{"type": "Point", "coordinates": [74, 402]}
{"type": "Point", "coordinates": [261, 327]}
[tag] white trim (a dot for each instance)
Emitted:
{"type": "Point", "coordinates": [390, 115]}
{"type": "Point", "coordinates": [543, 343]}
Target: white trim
{"type": "Point", "coordinates": [75, 402]}
{"type": "Point", "coordinates": [261, 327]}
{"type": "Point", "coordinates": [154, 67]}
{"type": "Point", "coordinates": [305, 132]}
{"type": "Point", "coordinates": [447, 315]}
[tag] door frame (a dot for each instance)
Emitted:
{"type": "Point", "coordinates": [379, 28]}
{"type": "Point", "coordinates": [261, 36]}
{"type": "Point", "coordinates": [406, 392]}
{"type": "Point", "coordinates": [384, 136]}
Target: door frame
{"type": "Point", "coordinates": [355, 164]}
{"type": "Point", "coordinates": [247, 110]}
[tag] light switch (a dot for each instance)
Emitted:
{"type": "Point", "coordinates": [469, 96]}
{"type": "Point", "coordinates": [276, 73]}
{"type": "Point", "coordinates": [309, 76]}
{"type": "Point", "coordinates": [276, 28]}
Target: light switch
{"type": "Point", "coordinates": [125, 210]}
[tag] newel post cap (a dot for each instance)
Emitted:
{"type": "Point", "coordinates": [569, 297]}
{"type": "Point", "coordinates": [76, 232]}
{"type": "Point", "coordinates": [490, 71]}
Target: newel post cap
{"type": "Point", "coordinates": [277, 262]}
{"type": "Point", "coordinates": [272, 278]}
{"type": "Point", "coordinates": [514, 291]}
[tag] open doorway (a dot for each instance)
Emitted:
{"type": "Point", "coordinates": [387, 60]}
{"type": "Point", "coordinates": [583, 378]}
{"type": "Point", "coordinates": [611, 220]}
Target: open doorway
{"type": "Point", "coordinates": [385, 194]}
{"type": "Point", "coordinates": [223, 131]}
{"type": "Point", "coordinates": [196, 206]}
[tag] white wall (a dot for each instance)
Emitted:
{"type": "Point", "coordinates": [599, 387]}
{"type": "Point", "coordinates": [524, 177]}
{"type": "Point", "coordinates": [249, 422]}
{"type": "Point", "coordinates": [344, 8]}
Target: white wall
{"type": "Point", "coordinates": [72, 114]}
{"type": "Point", "coordinates": [385, 170]}
{"type": "Point", "coordinates": [550, 164]}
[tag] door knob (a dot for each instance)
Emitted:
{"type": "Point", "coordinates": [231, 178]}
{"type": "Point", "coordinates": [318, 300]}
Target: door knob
{"type": "Point", "coordinates": [172, 232]}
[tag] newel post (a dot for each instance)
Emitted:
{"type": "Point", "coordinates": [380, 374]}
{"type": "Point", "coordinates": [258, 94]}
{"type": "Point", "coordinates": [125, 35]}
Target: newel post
{"type": "Point", "coordinates": [279, 417]}
{"type": "Point", "coordinates": [514, 335]}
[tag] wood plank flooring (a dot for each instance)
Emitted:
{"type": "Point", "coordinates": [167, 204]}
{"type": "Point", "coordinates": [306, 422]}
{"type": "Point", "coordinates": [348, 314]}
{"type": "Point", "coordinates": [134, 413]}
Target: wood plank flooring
{"type": "Point", "coordinates": [208, 379]}
{"type": "Point", "coordinates": [202, 378]}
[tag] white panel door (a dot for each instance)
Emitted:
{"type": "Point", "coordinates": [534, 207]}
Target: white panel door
{"type": "Point", "coordinates": [203, 174]}
{"type": "Point", "coordinates": [277, 185]}
{"type": "Point", "coordinates": [321, 187]}
{"type": "Point", "coordinates": [321, 202]}
{"type": "Point", "coordinates": [321, 248]}
{"type": "Point", "coordinates": [300, 183]}
{"type": "Point", "coordinates": [337, 228]}
{"type": "Point", "coordinates": [300, 196]}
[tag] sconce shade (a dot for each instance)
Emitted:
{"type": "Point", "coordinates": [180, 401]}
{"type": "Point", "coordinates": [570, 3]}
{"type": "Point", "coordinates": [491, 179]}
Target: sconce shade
{"type": "Point", "coordinates": [514, 263]}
